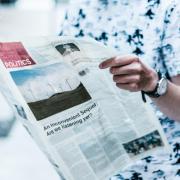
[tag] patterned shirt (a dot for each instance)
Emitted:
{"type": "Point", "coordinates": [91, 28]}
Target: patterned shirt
{"type": "Point", "coordinates": [151, 30]}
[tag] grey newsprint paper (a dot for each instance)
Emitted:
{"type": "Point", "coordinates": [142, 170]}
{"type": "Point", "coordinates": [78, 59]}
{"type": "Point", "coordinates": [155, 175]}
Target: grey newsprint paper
{"type": "Point", "coordinates": [88, 128]}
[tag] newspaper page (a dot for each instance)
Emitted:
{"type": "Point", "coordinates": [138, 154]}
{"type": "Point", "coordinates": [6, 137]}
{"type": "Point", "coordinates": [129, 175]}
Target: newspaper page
{"type": "Point", "coordinates": [88, 128]}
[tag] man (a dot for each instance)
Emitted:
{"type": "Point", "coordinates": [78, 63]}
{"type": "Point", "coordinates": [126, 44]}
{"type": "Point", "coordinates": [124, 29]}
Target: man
{"type": "Point", "coordinates": [150, 30]}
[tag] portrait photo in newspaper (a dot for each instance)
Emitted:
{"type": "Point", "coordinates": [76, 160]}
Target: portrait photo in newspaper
{"type": "Point", "coordinates": [66, 49]}
{"type": "Point", "coordinates": [69, 51]}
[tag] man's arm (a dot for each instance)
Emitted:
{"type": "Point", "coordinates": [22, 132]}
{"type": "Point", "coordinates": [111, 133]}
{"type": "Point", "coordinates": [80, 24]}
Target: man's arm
{"type": "Point", "coordinates": [170, 102]}
{"type": "Point", "coordinates": [131, 74]}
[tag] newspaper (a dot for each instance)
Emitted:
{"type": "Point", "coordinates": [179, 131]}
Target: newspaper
{"type": "Point", "coordinates": [88, 128]}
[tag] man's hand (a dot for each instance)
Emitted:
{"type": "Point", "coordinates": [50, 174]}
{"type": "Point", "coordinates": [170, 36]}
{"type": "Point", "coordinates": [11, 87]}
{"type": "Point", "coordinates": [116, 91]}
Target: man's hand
{"type": "Point", "coordinates": [131, 74]}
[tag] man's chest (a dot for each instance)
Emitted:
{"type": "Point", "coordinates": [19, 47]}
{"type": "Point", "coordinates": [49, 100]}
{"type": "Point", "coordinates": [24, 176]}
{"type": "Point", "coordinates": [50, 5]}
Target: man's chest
{"type": "Point", "coordinates": [127, 29]}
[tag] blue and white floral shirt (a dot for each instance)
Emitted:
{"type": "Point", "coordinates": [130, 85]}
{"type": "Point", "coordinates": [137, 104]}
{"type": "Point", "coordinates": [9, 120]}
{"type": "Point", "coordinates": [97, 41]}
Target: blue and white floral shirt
{"type": "Point", "coordinates": [151, 30]}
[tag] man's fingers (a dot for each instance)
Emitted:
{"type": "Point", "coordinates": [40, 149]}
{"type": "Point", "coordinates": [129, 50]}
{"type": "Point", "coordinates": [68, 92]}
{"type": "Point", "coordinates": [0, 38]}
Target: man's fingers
{"type": "Point", "coordinates": [133, 68]}
{"type": "Point", "coordinates": [130, 73]}
{"type": "Point", "coordinates": [133, 87]}
{"type": "Point", "coordinates": [107, 63]}
{"type": "Point", "coordinates": [124, 79]}
{"type": "Point", "coordinates": [118, 61]}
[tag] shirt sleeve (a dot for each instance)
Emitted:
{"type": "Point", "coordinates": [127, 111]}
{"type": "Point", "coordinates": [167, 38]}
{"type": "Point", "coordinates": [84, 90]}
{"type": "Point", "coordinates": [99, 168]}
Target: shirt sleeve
{"type": "Point", "coordinates": [171, 39]}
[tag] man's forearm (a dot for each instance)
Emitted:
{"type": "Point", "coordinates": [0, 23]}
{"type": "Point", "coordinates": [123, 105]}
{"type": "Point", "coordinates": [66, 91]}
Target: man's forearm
{"type": "Point", "coordinates": [169, 103]}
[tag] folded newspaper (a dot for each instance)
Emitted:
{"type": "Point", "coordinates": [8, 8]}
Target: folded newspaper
{"type": "Point", "coordinates": [88, 128]}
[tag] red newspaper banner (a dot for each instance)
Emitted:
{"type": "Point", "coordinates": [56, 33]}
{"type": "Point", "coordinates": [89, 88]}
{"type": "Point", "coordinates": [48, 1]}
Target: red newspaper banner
{"type": "Point", "coordinates": [13, 55]}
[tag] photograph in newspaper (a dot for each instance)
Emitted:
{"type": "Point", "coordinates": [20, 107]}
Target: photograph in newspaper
{"type": "Point", "coordinates": [51, 89]}
{"type": "Point", "coordinates": [66, 49]}
{"type": "Point", "coordinates": [143, 144]}
{"type": "Point", "coordinates": [70, 52]}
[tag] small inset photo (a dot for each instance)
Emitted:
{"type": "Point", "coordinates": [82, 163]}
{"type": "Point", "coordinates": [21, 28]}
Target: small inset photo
{"type": "Point", "coordinates": [143, 144]}
{"type": "Point", "coordinates": [66, 49]}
